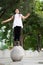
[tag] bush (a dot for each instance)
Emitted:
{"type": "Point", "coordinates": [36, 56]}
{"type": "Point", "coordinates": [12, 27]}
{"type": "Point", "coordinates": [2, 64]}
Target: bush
{"type": "Point", "coordinates": [4, 47]}
{"type": "Point", "coordinates": [30, 42]}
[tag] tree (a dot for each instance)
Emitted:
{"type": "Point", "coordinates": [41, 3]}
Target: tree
{"type": "Point", "coordinates": [33, 26]}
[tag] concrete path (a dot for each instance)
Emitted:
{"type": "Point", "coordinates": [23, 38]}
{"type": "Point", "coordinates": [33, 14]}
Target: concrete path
{"type": "Point", "coordinates": [32, 60]}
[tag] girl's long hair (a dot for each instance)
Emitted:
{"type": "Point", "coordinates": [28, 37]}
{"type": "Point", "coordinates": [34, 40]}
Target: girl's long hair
{"type": "Point", "coordinates": [15, 9]}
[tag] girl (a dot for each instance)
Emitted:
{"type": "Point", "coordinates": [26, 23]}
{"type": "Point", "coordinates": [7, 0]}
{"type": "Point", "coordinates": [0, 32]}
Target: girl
{"type": "Point", "coordinates": [17, 24]}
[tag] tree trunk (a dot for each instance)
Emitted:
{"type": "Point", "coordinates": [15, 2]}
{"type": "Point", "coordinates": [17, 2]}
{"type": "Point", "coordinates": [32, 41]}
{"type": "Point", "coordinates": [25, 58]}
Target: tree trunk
{"type": "Point", "coordinates": [39, 42]}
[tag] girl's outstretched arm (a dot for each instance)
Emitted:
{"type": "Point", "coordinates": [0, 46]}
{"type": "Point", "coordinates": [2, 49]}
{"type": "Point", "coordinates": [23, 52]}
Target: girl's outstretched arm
{"type": "Point", "coordinates": [7, 20]}
{"type": "Point", "coordinates": [25, 17]}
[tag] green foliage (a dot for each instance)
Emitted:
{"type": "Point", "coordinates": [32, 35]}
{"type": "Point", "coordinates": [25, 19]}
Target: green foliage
{"type": "Point", "coordinates": [4, 47]}
{"type": "Point", "coordinates": [30, 42]}
{"type": "Point", "coordinates": [32, 26]}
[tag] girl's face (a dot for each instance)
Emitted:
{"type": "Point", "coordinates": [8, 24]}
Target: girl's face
{"type": "Point", "coordinates": [17, 11]}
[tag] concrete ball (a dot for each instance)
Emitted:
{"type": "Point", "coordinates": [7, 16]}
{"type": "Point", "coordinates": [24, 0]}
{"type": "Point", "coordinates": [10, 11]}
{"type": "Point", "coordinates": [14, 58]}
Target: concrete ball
{"type": "Point", "coordinates": [17, 53]}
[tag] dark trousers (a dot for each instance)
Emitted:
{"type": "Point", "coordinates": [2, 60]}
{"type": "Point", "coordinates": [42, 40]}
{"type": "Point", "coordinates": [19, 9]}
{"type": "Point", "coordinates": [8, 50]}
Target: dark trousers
{"type": "Point", "coordinates": [17, 33]}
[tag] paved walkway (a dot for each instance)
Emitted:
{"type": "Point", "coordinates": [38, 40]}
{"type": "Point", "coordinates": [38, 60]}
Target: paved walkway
{"type": "Point", "coordinates": [35, 60]}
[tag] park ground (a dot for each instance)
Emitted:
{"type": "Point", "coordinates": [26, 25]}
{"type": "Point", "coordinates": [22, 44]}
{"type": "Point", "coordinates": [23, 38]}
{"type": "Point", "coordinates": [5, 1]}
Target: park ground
{"type": "Point", "coordinates": [30, 58]}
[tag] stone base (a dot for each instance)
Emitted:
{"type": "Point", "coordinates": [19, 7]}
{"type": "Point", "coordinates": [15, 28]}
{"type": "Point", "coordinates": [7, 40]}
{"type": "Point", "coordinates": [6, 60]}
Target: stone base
{"type": "Point", "coordinates": [17, 53]}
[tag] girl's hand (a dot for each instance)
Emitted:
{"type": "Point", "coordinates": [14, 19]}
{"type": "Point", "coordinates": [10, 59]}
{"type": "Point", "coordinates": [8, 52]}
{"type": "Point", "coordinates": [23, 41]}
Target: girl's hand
{"type": "Point", "coordinates": [28, 14]}
{"type": "Point", "coordinates": [2, 22]}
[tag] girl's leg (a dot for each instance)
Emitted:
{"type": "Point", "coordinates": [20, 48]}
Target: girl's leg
{"type": "Point", "coordinates": [14, 35]}
{"type": "Point", "coordinates": [21, 38]}
{"type": "Point", "coordinates": [17, 33]}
